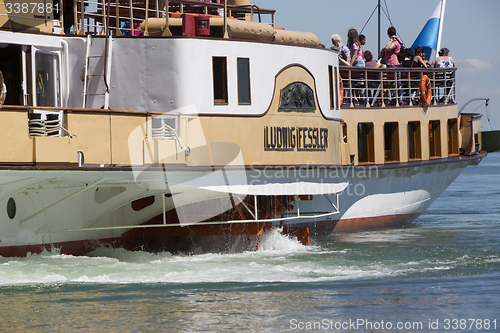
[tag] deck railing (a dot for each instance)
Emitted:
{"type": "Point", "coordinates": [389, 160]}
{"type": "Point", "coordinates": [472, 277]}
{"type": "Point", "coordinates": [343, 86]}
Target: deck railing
{"type": "Point", "coordinates": [382, 87]}
{"type": "Point", "coordinates": [123, 17]}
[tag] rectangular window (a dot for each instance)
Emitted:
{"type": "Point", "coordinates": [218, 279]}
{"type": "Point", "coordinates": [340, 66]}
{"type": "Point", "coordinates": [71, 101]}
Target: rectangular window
{"type": "Point", "coordinates": [391, 138]}
{"type": "Point", "coordinates": [452, 137]}
{"type": "Point", "coordinates": [434, 138]}
{"type": "Point", "coordinates": [244, 81]}
{"type": "Point", "coordinates": [219, 67]}
{"type": "Point", "coordinates": [366, 146]}
{"type": "Point", "coordinates": [47, 79]}
{"type": "Point", "coordinates": [330, 86]}
{"type": "Point", "coordinates": [414, 141]}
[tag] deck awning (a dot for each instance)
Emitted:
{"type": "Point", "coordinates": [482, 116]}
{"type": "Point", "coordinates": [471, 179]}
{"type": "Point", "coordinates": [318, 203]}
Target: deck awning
{"type": "Point", "coordinates": [298, 188]}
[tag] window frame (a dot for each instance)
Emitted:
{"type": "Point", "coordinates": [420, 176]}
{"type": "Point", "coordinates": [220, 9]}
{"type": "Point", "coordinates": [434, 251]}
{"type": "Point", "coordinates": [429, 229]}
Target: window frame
{"type": "Point", "coordinates": [246, 79]}
{"type": "Point", "coordinates": [219, 80]}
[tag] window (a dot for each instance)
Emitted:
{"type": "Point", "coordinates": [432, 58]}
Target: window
{"type": "Point", "coordinates": [452, 137]}
{"type": "Point", "coordinates": [220, 79]}
{"type": "Point", "coordinates": [244, 81]}
{"type": "Point", "coordinates": [391, 138]}
{"type": "Point", "coordinates": [434, 138]}
{"type": "Point", "coordinates": [366, 147]}
{"type": "Point", "coordinates": [414, 141]}
{"type": "Point", "coordinates": [331, 83]}
{"type": "Point", "coordinates": [47, 79]}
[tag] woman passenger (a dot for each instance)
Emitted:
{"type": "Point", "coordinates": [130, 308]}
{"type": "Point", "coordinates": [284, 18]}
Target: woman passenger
{"type": "Point", "coordinates": [392, 49]}
{"type": "Point", "coordinates": [444, 60]}
{"type": "Point", "coordinates": [419, 59]}
{"type": "Point", "coordinates": [355, 48]}
{"type": "Point", "coordinates": [344, 53]}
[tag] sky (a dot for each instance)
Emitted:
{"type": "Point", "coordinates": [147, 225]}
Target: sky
{"type": "Point", "coordinates": [471, 32]}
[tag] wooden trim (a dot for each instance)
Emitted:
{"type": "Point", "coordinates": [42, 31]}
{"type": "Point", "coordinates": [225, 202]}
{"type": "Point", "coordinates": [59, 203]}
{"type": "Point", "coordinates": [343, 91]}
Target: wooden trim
{"type": "Point", "coordinates": [183, 167]}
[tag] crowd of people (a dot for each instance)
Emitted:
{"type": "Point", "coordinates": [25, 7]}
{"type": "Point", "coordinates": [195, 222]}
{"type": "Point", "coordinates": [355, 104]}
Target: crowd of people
{"type": "Point", "coordinates": [393, 55]}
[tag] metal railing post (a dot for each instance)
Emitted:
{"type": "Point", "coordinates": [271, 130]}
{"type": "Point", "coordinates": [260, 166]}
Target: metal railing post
{"type": "Point", "coordinates": [146, 28]}
{"type": "Point", "coordinates": [117, 19]}
{"type": "Point", "coordinates": [167, 31]}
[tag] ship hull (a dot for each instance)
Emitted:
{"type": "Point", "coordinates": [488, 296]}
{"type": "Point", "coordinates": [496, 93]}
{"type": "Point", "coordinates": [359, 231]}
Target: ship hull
{"type": "Point", "coordinates": [81, 210]}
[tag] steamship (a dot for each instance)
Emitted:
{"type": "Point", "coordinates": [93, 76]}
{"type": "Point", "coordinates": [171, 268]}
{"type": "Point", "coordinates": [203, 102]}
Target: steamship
{"type": "Point", "coordinates": [189, 125]}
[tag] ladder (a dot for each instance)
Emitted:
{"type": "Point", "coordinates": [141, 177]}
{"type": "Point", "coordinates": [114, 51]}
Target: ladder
{"type": "Point", "coordinates": [91, 62]}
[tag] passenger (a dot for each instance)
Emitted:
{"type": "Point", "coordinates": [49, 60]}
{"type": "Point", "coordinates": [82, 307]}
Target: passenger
{"type": "Point", "coordinates": [3, 93]}
{"type": "Point", "coordinates": [444, 60]}
{"type": "Point", "coordinates": [369, 61]}
{"type": "Point", "coordinates": [355, 48]}
{"type": "Point", "coordinates": [408, 59]}
{"type": "Point", "coordinates": [426, 61]}
{"type": "Point", "coordinates": [392, 49]}
{"type": "Point", "coordinates": [362, 40]}
{"type": "Point", "coordinates": [419, 59]}
{"type": "Point", "coordinates": [344, 53]}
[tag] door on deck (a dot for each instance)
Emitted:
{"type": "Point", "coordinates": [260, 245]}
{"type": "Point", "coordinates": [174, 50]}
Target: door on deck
{"type": "Point", "coordinates": [12, 70]}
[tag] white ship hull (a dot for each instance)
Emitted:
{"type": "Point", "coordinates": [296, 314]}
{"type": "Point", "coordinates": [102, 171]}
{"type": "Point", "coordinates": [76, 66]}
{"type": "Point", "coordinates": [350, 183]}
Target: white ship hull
{"type": "Point", "coordinates": [76, 211]}
{"type": "Point", "coordinates": [217, 130]}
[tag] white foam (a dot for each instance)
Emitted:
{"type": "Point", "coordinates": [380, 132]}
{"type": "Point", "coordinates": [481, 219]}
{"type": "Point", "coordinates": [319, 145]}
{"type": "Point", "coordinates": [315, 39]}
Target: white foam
{"type": "Point", "coordinates": [279, 258]}
{"type": "Point", "coordinates": [274, 240]}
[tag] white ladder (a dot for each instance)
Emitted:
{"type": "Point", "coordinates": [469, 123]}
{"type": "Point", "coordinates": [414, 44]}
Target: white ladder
{"type": "Point", "coordinates": [106, 75]}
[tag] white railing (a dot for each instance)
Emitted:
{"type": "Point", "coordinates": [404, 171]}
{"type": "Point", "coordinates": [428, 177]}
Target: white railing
{"type": "Point", "coordinates": [124, 17]}
{"type": "Point", "coordinates": [382, 87]}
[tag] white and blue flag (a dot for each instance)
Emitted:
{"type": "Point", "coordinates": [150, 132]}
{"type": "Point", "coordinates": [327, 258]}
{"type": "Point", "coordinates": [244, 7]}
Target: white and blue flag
{"type": "Point", "coordinates": [430, 36]}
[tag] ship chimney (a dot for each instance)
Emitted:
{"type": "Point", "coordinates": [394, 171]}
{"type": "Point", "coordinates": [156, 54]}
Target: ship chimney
{"type": "Point", "coordinates": [248, 17]}
{"type": "Point", "coordinates": [238, 2]}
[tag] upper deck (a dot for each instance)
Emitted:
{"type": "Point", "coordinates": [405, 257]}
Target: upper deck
{"type": "Point", "coordinates": [237, 19]}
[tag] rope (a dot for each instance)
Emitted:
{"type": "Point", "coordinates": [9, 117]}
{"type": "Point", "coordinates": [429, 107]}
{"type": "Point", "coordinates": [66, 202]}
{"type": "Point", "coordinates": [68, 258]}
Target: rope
{"type": "Point", "coordinates": [368, 19]}
{"type": "Point", "coordinates": [388, 18]}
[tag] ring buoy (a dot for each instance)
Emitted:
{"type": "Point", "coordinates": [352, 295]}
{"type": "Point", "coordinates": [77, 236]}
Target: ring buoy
{"type": "Point", "coordinates": [341, 89]}
{"type": "Point", "coordinates": [425, 91]}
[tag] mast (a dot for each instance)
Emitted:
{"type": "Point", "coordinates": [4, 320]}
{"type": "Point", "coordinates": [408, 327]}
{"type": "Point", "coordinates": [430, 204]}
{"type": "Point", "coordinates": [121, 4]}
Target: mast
{"type": "Point", "coordinates": [378, 28]}
{"type": "Point", "coordinates": [441, 21]}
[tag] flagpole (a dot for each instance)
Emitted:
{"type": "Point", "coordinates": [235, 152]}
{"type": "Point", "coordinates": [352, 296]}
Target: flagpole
{"type": "Point", "coordinates": [378, 28]}
{"type": "Point", "coordinates": [441, 21]}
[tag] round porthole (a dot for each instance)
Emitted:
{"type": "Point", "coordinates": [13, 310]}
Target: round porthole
{"type": "Point", "coordinates": [11, 208]}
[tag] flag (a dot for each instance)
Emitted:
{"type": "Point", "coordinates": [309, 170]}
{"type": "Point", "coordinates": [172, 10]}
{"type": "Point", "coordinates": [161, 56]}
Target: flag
{"type": "Point", "coordinates": [429, 37]}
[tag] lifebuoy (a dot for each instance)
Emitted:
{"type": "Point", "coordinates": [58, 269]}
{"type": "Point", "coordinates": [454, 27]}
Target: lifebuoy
{"type": "Point", "coordinates": [425, 91]}
{"type": "Point", "coordinates": [341, 90]}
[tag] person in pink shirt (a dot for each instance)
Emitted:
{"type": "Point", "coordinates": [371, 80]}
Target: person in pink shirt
{"type": "Point", "coordinates": [355, 48]}
{"type": "Point", "coordinates": [392, 49]}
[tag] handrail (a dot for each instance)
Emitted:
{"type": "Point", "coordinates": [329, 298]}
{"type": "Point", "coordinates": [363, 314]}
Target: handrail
{"type": "Point", "coordinates": [395, 86]}
{"type": "Point", "coordinates": [486, 102]}
{"type": "Point", "coordinates": [141, 10]}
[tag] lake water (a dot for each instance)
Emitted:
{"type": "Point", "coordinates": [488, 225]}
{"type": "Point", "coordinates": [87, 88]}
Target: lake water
{"type": "Point", "coordinates": [441, 274]}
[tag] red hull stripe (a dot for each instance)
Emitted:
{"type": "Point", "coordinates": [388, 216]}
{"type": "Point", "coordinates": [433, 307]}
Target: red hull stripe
{"type": "Point", "coordinates": [70, 248]}
{"type": "Point", "coordinates": [321, 227]}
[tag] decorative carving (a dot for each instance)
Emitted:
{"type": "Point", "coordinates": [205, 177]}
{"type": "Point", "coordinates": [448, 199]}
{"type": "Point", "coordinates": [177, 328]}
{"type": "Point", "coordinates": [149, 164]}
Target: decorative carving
{"type": "Point", "coordinates": [297, 96]}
